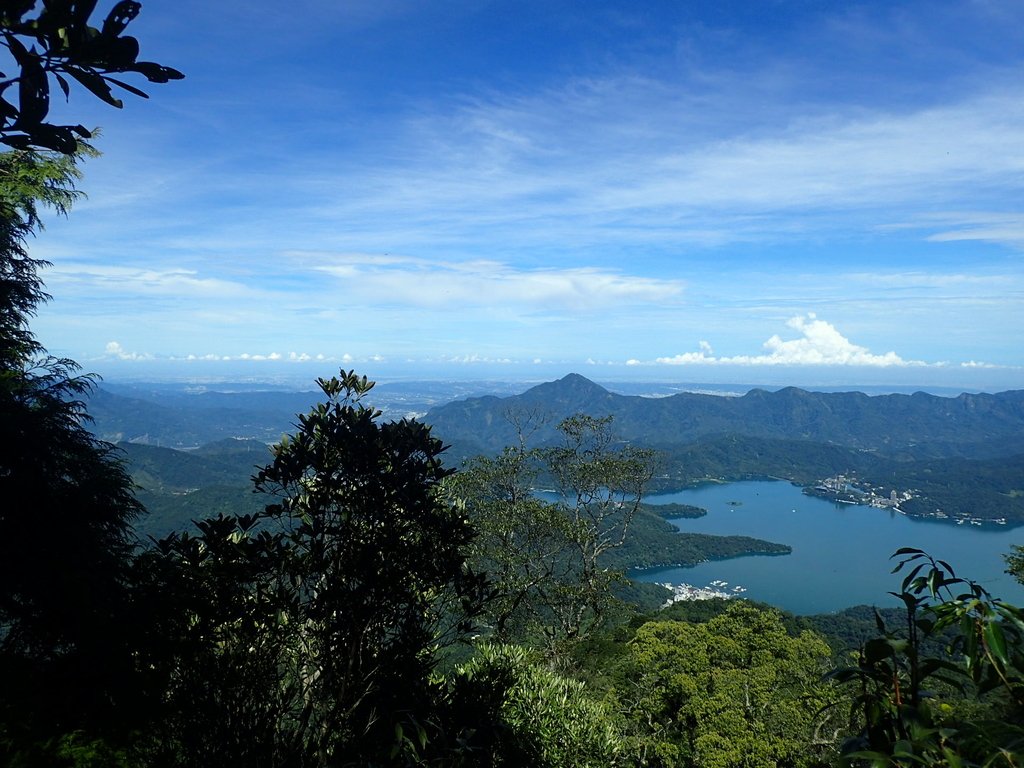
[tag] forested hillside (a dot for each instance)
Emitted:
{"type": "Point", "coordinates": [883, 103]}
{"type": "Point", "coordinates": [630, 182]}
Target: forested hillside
{"type": "Point", "coordinates": [177, 487]}
{"type": "Point", "coordinates": [176, 422]}
{"type": "Point", "coordinates": [960, 457]}
{"type": "Point", "coordinates": [178, 416]}
{"type": "Point", "coordinates": [897, 426]}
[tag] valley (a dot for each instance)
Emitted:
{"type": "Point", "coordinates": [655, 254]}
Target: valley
{"type": "Point", "coordinates": [918, 467]}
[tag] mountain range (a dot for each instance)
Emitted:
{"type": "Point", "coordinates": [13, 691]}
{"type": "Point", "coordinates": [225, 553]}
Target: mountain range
{"type": "Point", "coordinates": [904, 427]}
{"type": "Point", "coordinates": [963, 456]}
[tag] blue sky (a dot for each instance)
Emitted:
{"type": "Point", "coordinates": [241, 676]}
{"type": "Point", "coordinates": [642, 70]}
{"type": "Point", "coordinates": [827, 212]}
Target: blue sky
{"type": "Point", "coordinates": [781, 192]}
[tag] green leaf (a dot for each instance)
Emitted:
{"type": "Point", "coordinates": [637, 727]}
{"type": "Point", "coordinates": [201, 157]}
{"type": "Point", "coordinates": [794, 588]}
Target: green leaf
{"type": "Point", "coordinates": [912, 575]}
{"type": "Point", "coordinates": [906, 551]}
{"type": "Point", "coordinates": [996, 642]}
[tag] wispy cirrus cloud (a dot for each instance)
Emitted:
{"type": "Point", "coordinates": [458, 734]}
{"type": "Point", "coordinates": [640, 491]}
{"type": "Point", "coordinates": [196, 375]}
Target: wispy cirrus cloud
{"type": "Point", "coordinates": [568, 165]}
{"type": "Point", "coordinates": [456, 285]}
{"type": "Point", "coordinates": [141, 282]}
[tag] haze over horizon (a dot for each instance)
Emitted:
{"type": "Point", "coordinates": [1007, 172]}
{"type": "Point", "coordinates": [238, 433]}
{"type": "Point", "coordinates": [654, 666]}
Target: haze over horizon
{"type": "Point", "coordinates": [780, 193]}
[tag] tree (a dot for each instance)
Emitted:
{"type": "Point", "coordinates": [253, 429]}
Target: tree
{"type": "Point", "coordinates": [547, 558]}
{"type": "Point", "coordinates": [1015, 563]}
{"type": "Point", "coordinates": [521, 539]}
{"type": "Point", "coordinates": [28, 181]}
{"type": "Point", "coordinates": [601, 487]}
{"type": "Point", "coordinates": [65, 524]}
{"type": "Point", "coordinates": [314, 629]}
{"type": "Point", "coordinates": [214, 646]}
{"type": "Point", "coordinates": [64, 548]}
{"type": "Point", "coordinates": [515, 711]}
{"type": "Point", "coordinates": [736, 690]}
{"type": "Point", "coordinates": [58, 42]}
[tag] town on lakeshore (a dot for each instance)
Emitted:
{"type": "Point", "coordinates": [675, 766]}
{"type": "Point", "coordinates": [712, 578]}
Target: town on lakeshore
{"type": "Point", "coordinates": [681, 592]}
{"type": "Point", "coordinates": [848, 490]}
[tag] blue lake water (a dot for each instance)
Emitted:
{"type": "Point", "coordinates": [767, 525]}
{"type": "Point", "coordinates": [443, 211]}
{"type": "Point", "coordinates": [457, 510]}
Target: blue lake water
{"type": "Point", "coordinates": [841, 552]}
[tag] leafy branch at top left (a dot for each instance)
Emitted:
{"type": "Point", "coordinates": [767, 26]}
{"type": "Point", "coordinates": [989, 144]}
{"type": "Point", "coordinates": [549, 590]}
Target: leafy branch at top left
{"type": "Point", "coordinates": [59, 42]}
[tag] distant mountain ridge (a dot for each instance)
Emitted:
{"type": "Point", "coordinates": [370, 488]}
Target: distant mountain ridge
{"type": "Point", "coordinates": [963, 455]}
{"type": "Point", "coordinates": [174, 416]}
{"type": "Point", "coordinates": [918, 426]}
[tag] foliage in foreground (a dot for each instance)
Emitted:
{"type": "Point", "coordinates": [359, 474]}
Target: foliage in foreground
{"type": "Point", "coordinates": [65, 537]}
{"type": "Point", "coordinates": [963, 708]}
{"type": "Point", "coordinates": [59, 42]}
{"type": "Point", "coordinates": [517, 711]}
{"type": "Point", "coordinates": [306, 634]}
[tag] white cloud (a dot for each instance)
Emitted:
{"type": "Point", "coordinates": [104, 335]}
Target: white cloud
{"type": "Point", "coordinates": [474, 283]}
{"type": "Point", "coordinates": [473, 359]}
{"type": "Point", "coordinates": [819, 343]}
{"type": "Point", "coordinates": [687, 358]}
{"type": "Point", "coordinates": [626, 160]}
{"type": "Point", "coordinates": [933, 280]}
{"type": "Point", "coordinates": [1006, 228]}
{"type": "Point", "coordinates": [566, 209]}
{"type": "Point", "coordinates": [115, 350]}
{"type": "Point", "coordinates": [273, 356]}
{"type": "Point", "coordinates": [135, 281]}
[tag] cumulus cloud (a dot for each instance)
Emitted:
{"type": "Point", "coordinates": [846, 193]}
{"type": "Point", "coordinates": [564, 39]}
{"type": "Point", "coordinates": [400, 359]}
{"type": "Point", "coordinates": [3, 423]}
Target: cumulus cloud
{"type": "Point", "coordinates": [819, 343]}
{"type": "Point", "coordinates": [115, 350]}
{"type": "Point", "coordinates": [247, 356]}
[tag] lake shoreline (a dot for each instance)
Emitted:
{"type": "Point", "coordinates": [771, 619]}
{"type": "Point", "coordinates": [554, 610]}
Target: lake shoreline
{"type": "Point", "coordinates": [839, 553]}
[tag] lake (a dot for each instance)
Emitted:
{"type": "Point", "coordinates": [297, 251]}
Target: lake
{"type": "Point", "coordinates": [840, 551]}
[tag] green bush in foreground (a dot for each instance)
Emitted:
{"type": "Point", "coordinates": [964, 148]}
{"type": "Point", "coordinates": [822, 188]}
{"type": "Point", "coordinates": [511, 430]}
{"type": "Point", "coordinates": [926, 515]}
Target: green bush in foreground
{"type": "Point", "coordinates": [518, 712]}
